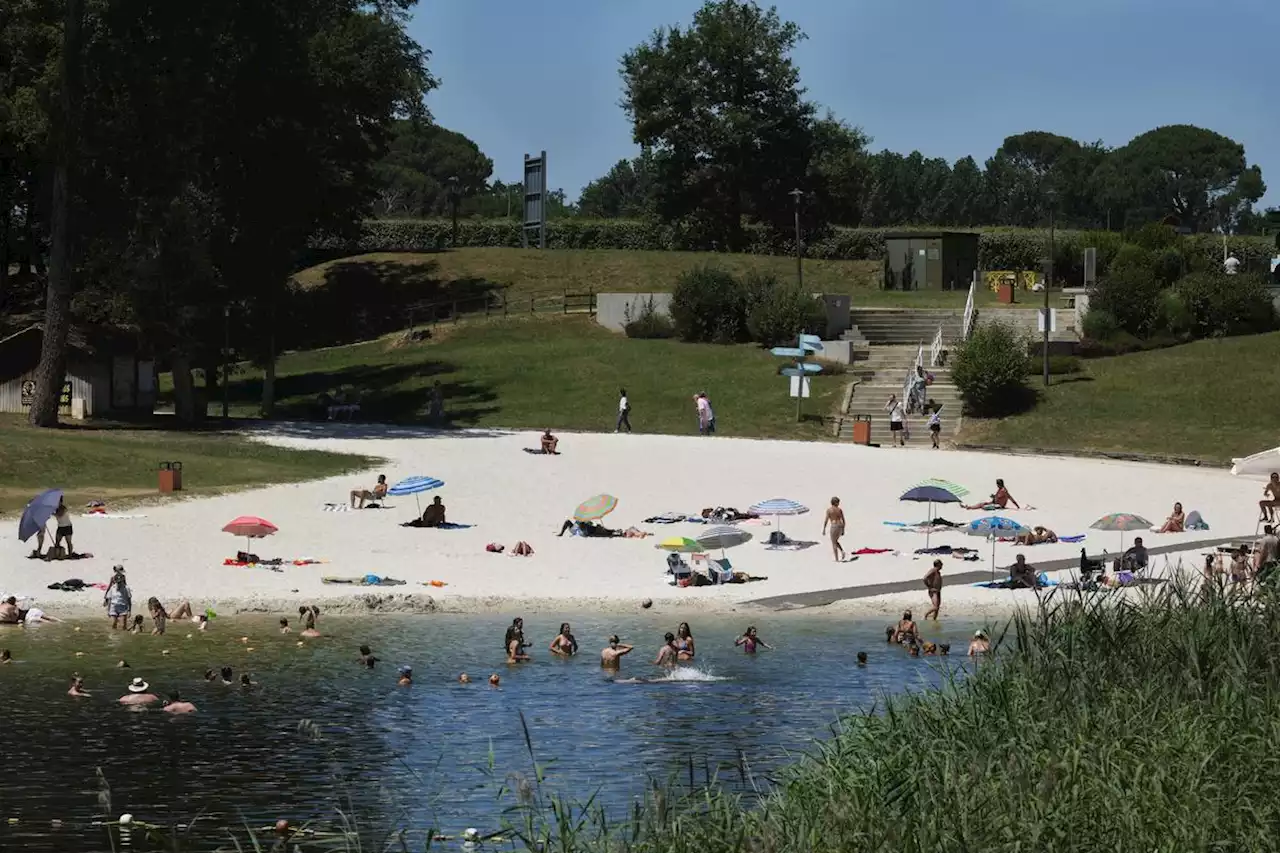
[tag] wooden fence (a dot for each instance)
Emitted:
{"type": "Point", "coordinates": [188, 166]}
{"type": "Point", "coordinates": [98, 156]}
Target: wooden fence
{"type": "Point", "coordinates": [502, 304]}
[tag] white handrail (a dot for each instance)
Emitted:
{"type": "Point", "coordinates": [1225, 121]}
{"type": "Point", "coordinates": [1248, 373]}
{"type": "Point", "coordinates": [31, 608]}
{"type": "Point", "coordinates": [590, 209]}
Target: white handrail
{"type": "Point", "coordinates": [935, 349]}
{"type": "Point", "coordinates": [967, 328]}
{"type": "Point", "coordinates": [911, 378]}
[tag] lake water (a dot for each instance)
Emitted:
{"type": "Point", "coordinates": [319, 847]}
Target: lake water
{"type": "Point", "coordinates": [435, 755]}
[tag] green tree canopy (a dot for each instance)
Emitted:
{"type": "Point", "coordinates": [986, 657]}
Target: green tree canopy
{"type": "Point", "coordinates": [720, 107]}
{"type": "Point", "coordinates": [413, 178]}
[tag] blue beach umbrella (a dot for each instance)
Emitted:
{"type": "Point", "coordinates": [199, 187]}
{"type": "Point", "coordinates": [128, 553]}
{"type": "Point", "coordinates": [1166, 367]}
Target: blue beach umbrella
{"type": "Point", "coordinates": [415, 486]}
{"type": "Point", "coordinates": [930, 495]}
{"type": "Point", "coordinates": [993, 527]}
{"type": "Point", "coordinates": [777, 507]}
{"type": "Point", "coordinates": [38, 511]}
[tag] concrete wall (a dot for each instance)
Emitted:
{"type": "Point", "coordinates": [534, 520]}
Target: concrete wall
{"type": "Point", "coordinates": [1027, 321]}
{"type": "Point", "coordinates": [614, 309]}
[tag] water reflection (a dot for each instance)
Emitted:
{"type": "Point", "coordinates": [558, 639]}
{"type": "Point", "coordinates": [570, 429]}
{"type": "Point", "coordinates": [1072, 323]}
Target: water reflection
{"type": "Point", "coordinates": [432, 755]}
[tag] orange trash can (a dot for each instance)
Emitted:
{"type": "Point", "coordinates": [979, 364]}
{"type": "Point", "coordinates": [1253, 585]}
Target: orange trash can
{"type": "Point", "coordinates": [170, 477]}
{"type": "Point", "coordinates": [861, 429]}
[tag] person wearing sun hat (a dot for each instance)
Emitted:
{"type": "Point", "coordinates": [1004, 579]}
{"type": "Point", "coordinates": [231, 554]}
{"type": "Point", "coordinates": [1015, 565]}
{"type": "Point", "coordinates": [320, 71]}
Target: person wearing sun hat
{"type": "Point", "coordinates": [979, 645]}
{"type": "Point", "coordinates": [139, 694]}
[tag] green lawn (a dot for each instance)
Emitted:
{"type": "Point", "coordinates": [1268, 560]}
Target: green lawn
{"type": "Point", "coordinates": [470, 272]}
{"type": "Point", "coordinates": [1210, 400]}
{"type": "Point", "coordinates": [118, 463]}
{"type": "Point", "coordinates": [545, 371]}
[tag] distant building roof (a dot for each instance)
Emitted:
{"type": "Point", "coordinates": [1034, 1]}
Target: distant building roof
{"type": "Point", "coordinates": [20, 352]}
{"type": "Point", "coordinates": [926, 234]}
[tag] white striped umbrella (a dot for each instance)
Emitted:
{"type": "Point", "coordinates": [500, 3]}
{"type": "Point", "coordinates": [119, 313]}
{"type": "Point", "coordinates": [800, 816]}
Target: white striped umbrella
{"type": "Point", "coordinates": [415, 486]}
{"type": "Point", "coordinates": [779, 506]}
{"type": "Point", "coordinates": [723, 537]}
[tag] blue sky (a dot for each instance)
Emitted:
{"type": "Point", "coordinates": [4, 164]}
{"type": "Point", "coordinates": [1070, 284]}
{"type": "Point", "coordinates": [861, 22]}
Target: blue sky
{"type": "Point", "coordinates": [947, 77]}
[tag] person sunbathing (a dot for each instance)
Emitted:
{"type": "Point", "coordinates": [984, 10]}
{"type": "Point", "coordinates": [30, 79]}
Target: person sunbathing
{"type": "Point", "coordinates": [1036, 536]}
{"type": "Point", "coordinates": [1000, 500]}
{"type": "Point", "coordinates": [588, 528]}
{"type": "Point", "coordinates": [549, 443]}
{"type": "Point", "coordinates": [377, 493]}
{"type": "Point", "coordinates": [433, 515]}
{"type": "Point", "coordinates": [1176, 522]}
{"type": "Point", "coordinates": [1023, 574]}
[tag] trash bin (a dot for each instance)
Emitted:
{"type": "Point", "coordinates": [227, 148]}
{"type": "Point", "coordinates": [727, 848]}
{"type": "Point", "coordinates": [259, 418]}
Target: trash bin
{"type": "Point", "coordinates": [861, 429]}
{"type": "Point", "coordinates": [170, 477]}
{"type": "Point", "coordinates": [1005, 293]}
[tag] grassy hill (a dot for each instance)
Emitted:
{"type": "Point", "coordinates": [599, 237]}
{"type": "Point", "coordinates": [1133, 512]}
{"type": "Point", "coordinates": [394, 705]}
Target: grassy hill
{"type": "Point", "coordinates": [468, 273]}
{"type": "Point", "coordinates": [545, 371]}
{"type": "Point", "coordinates": [1210, 400]}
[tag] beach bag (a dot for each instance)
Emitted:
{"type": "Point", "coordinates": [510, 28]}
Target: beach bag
{"type": "Point", "coordinates": [777, 537]}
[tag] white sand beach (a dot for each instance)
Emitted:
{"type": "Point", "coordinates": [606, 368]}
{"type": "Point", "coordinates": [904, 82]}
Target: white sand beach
{"type": "Point", "coordinates": [176, 550]}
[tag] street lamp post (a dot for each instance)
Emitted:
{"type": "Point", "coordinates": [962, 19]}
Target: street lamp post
{"type": "Point", "coordinates": [453, 205]}
{"type": "Point", "coordinates": [798, 194]}
{"type": "Point", "coordinates": [1048, 285]}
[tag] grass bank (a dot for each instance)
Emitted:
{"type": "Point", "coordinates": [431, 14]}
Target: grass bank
{"type": "Point", "coordinates": [1210, 400]}
{"type": "Point", "coordinates": [468, 273]}
{"type": "Point", "coordinates": [118, 462]}
{"type": "Point", "coordinates": [540, 372]}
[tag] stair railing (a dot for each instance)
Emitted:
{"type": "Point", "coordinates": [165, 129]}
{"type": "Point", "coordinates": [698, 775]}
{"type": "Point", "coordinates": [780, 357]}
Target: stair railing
{"type": "Point", "coordinates": [935, 348]}
{"type": "Point", "coordinates": [911, 376]}
{"type": "Point", "coordinates": [967, 327]}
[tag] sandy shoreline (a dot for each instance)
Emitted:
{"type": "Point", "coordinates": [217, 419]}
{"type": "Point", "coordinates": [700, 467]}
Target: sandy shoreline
{"type": "Point", "coordinates": [174, 549]}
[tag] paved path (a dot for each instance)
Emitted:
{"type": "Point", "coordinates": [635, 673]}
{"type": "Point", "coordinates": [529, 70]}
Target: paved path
{"type": "Point", "coordinates": [823, 597]}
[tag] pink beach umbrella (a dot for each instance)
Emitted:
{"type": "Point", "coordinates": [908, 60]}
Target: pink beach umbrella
{"type": "Point", "coordinates": [250, 527]}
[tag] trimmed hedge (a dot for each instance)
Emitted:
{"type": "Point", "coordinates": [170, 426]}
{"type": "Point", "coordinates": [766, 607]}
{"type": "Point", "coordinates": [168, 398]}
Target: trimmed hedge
{"type": "Point", "coordinates": [998, 248]}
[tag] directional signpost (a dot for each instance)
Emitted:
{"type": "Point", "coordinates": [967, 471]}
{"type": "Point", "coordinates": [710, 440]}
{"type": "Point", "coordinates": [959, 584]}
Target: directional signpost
{"type": "Point", "coordinates": [800, 370]}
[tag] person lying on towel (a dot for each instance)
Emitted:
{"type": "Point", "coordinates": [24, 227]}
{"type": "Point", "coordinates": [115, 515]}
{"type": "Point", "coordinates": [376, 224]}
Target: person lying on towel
{"type": "Point", "coordinates": [1036, 536]}
{"type": "Point", "coordinates": [587, 528]}
{"type": "Point", "coordinates": [549, 443]}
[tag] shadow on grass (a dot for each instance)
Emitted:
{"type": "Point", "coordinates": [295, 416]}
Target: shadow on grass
{"type": "Point", "coordinates": [387, 394]}
{"type": "Point", "coordinates": [1066, 380]}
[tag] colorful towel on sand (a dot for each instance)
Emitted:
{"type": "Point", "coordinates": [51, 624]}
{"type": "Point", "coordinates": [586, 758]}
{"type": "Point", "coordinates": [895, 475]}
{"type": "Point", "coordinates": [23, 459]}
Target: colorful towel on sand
{"type": "Point", "coordinates": [861, 551]}
{"type": "Point", "coordinates": [335, 507]}
{"type": "Point", "coordinates": [1078, 537]}
{"type": "Point", "coordinates": [1008, 583]}
{"type": "Point", "coordinates": [114, 515]}
{"type": "Point", "coordinates": [448, 525]}
{"type": "Point", "coordinates": [365, 580]}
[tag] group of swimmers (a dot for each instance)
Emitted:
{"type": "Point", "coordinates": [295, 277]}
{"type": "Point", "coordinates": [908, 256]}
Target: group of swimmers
{"type": "Point", "coordinates": [678, 647]}
{"type": "Point", "coordinates": [906, 633]}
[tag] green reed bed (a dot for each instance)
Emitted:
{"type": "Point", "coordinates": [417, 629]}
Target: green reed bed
{"type": "Point", "coordinates": [1101, 724]}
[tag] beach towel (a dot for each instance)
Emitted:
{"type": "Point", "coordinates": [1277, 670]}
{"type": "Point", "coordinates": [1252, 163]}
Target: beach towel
{"type": "Point", "coordinates": [434, 583]}
{"type": "Point", "coordinates": [448, 525]}
{"type": "Point", "coordinates": [945, 549]}
{"type": "Point", "coordinates": [537, 451]}
{"type": "Point", "coordinates": [1195, 521]}
{"type": "Point", "coordinates": [872, 551]}
{"type": "Point", "coordinates": [335, 507]}
{"type": "Point", "coordinates": [366, 580]}
{"type": "Point", "coordinates": [1010, 583]}
{"type": "Point", "coordinates": [69, 585]}
{"type": "Point", "coordinates": [675, 518]}
{"type": "Point", "coordinates": [49, 557]}
{"type": "Point", "coordinates": [113, 515]}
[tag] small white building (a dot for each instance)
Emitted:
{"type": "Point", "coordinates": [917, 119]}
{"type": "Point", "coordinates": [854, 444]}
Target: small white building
{"type": "Point", "coordinates": [98, 382]}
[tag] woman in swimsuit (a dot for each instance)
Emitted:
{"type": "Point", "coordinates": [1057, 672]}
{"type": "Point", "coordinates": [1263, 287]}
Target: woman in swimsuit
{"type": "Point", "coordinates": [309, 615]}
{"type": "Point", "coordinates": [564, 644]}
{"type": "Point", "coordinates": [159, 616]}
{"type": "Point", "coordinates": [118, 599]}
{"type": "Point", "coordinates": [1176, 522]}
{"type": "Point", "coordinates": [668, 654]}
{"type": "Point", "coordinates": [906, 632]}
{"type": "Point", "coordinates": [749, 640]}
{"type": "Point", "coordinates": [834, 523]}
{"type": "Point", "coordinates": [684, 642]}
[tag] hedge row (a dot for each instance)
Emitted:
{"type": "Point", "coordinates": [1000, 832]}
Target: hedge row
{"type": "Point", "coordinates": [998, 248]}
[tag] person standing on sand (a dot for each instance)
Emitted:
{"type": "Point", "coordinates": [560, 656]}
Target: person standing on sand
{"type": "Point", "coordinates": [897, 420]}
{"type": "Point", "coordinates": [933, 583]}
{"type": "Point", "coordinates": [611, 655]}
{"type": "Point", "coordinates": [834, 522]}
{"type": "Point", "coordinates": [624, 411]}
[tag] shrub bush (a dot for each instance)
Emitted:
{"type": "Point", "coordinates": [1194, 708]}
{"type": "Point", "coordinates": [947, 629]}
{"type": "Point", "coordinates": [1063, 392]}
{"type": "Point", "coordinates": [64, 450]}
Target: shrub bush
{"type": "Point", "coordinates": [1130, 292]}
{"type": "Point", "coordinates": [709, 305]}
{"type": "Point", "coordinates": [990, 370]}
{"type": "Point", "coordinates": [778, 311]}
{"type": "Point", "coordinates": [1220, 305]}
{"type": "Point", "coordinates": [1174, 316]}
{"type": "Point", "coordinates": [1099, 324]}
{"type": "Point", "coordinates": [647, 322]}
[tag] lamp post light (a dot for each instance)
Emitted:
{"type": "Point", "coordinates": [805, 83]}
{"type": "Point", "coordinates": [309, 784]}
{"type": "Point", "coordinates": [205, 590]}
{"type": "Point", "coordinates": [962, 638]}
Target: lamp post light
{"type": "Point", "coordinates": [453, 204]}
{"type": "Point", "coordinates": [798, 194]}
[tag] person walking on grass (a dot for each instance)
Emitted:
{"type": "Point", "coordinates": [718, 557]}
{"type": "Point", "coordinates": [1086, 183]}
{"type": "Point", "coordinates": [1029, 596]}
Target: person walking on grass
{"type": "Point", "coordinates": [933, 583]}
{"type": "Point", "coordinates": [624, 411]}
{"type": "Point", "coordinates": [897, 420]}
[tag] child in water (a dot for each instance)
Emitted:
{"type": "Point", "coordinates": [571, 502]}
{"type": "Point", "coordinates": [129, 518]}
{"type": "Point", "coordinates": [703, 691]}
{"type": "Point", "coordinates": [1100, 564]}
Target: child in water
{"type": "Point", "coordinates": [750, 639]}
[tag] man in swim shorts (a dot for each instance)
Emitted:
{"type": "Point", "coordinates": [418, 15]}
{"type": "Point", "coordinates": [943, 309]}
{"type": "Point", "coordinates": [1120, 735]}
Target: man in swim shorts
{"type": "Point", "coordinates": [933, 583]}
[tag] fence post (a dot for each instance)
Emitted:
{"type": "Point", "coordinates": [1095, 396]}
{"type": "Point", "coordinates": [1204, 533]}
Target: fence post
{"type": "Point", "coordinates": [564, 302]}
{"type": "Point", "coordinates": [530, 303]}
{"type": "Point", "coordinates": [504, 303]}
{"type": "Point", "coordinates": [455, 310]}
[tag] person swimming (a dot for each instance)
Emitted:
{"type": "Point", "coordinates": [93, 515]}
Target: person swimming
{"type": "Point", "coordinates": [750, 640]}
{"type": "Point", "coordinates": [284, 625]}
{"type": "Point", "coordinates": [6, 656]}
{"type": "Point", "coordinates": [611, 655]}
{"type": "Point", "coordinates": [227, 675]}
{"type": "Point", "coordinates": [514, 643]}
{"type": "Point", "coordinates": [494, 680]}
{"type": "Point", "coordinates": [136, 628]}
{"type": "Point", "coordinates": [905, 631]}
{"type": "Point", "coordinates": [669, 654]}
{"type": "Point", "coordinates": [564, 644]}
{"type": "Point", "coordinates": [464, 679]}
{"type": "Point", "coordinates": [862, 658]}
{"type": "Point", "coordinates": [406, 676]}
{"type": "Point", "coordinates": [309, 615]}
{"type": "Point", "coordinates": [684, 642]}
{"type": "Point", "coordinates": [367, 658]}
{"type": "Point", "coordinates": [980, 644]}
{"type": "Point", "coordinates": [77, 688]}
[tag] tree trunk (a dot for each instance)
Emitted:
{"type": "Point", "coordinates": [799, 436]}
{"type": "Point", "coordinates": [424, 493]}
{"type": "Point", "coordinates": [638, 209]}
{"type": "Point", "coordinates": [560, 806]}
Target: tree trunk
{"type": "Point", "coordinates": [269, 381]}
{"type": "Point", "coordinates": [57, 320]}
{"type": "Point", "coordinates": [184, 391]}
